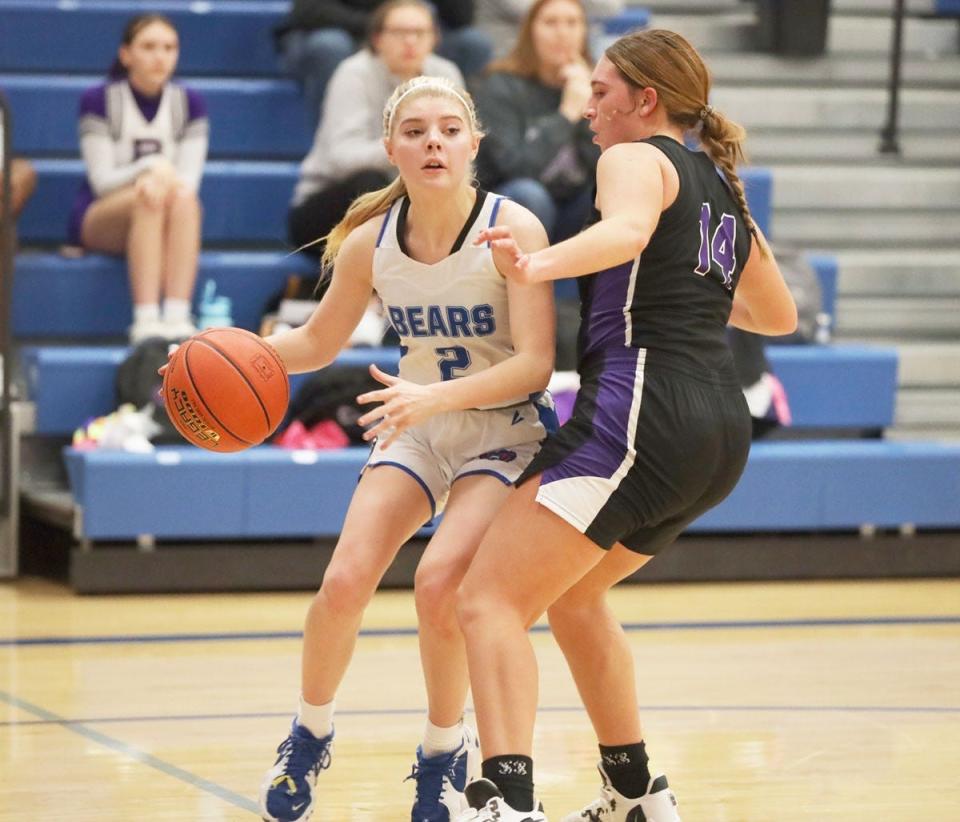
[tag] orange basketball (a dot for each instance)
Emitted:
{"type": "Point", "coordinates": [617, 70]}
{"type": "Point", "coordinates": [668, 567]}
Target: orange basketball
{"type": "Point", "coordinates": [226, 389]}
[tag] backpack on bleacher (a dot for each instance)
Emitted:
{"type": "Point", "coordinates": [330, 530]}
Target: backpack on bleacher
{"type": "Point", "coordinates": [331, 394]}
{"type": "Point", "coordinates": [138, 383]}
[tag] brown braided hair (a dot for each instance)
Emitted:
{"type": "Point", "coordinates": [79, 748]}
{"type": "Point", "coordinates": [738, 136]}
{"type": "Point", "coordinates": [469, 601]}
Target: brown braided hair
{"type": "Point", "coordinates": [665, 61]}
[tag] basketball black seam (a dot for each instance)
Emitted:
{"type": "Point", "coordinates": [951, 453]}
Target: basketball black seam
{"type": "Point", "coordinates": [250, 385]}
{"type": "Point", "coordinates": [269, 349]}
{"type": "Point", "coordinates": [186, 370]}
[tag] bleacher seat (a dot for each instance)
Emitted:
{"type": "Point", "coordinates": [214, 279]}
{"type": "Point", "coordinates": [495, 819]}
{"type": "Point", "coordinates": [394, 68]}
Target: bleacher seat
{"type": "Point", "coordinates": [262, 118]}
{"type": "Point", "coordinates": [48, 288]}
{"type": "Point", "coordinates": [270, 492]}
{"type": "Point", "coordinates": [244, 202]}
{"type": "Point", "coordinates": [830, 387]}
{"type": "Point", "coordinates": [216, 36]}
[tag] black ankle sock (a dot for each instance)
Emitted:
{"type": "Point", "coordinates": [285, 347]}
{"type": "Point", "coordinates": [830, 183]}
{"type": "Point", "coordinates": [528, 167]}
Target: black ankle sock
{"type": "Point", "coordinates": [626, 765]}
{"type": "Point", "coordinates": [513, 775]}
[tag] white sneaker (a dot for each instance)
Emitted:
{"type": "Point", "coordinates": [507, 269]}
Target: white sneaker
{"type": "Point", "coordinates": [658, 804]}
{"type": "Point", "coordinates": [178, 329]}
{"type": "Point", "coordinates": [487, 805]}
{"type": "Point", "coordinates": [145, 329]}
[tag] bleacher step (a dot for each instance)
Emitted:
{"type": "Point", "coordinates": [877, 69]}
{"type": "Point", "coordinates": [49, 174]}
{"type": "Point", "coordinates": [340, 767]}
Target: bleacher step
{"type": "Point", "coordinates": [766, 146]}
{"type": "Point", "coordinates": [927, 317]}
{"type": "Point", "coordinates": [267, 491]}
{"type": "Point", "coordinates": [865, 186]}
{"type": "Point", "coordinates": [829, 387]}
{"type": "Point", "coordinates": [847, 229]}
{"type": "Point", "coordinates": [816, 106]}
{"type": "Point", "coordinates": [249, 118]}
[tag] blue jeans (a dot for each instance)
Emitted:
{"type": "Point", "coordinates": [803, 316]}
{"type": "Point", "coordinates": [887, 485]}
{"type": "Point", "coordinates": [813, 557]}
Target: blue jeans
{"type": "Point", "coordinates": [561, 219]}
{"type": "Point", "coordinates": [311, 57]}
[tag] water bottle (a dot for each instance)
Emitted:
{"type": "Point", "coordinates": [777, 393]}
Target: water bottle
{"type": "Point", "coordinates": [215, 311]}
{"type": "Point", "coordinates": [821, 335]}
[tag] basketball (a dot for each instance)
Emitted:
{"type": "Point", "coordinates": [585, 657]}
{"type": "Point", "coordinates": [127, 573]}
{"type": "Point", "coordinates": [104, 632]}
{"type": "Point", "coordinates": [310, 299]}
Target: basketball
{"type": "Point", "coordinates": [225, 389]}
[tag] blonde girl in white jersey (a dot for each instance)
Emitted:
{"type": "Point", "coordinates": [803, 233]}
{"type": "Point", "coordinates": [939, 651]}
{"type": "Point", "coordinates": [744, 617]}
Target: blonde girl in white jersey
{"type": "Point", "coordinates": [472, 341]}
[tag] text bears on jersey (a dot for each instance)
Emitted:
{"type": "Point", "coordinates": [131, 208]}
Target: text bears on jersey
{"type": "Point", "coordinates": [442, 320]}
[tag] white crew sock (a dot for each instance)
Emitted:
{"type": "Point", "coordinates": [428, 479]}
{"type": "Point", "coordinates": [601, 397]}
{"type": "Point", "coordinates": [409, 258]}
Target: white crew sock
{"type": "Point", "coordinates": [146, 312]}
{"type": "Point", "coordinates": [437, 740]}
{"type": "Point", "coordinates": [175, 310]}
{"type": "Point", "coordinates": [318, 719]}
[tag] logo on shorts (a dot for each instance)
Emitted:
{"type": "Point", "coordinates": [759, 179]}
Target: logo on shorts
{"type": "Point", "coordinates": [500, 455]}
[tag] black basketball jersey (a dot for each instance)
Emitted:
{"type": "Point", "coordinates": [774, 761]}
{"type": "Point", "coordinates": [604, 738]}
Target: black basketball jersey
{"type": "Point", "coordinates": [675, 299]}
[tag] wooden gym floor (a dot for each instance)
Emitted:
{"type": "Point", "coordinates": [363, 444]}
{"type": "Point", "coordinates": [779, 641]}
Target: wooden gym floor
{"type": "Point", "coordinates": [765, 702]}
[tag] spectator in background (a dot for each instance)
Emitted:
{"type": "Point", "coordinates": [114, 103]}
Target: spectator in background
{"type": "Point", "coordinates": [318, 35]}
{"type": "Point", "coordinates": [539, 149]}
{"type": "Point", "coordinates": [144, 143]}
{"type": "Point", "coordinates": [348, 157]}
{"type": "Point", "coordinates": [500, 18]}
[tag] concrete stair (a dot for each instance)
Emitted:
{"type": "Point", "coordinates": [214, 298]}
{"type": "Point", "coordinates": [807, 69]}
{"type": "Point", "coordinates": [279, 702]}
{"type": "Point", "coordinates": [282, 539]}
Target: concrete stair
{"type": "Point", "coordinates": [892, 221]}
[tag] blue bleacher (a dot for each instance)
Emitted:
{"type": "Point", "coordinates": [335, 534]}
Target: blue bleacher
{"type": "Point", "coordinates": [48, 289]}
{"type": "Point", "coordinates": [947, 8]}
{"type": "Point", "coordinates": [218, 37]}
{"type": "Point", "coordinates": [271, 492]}
{"type": "Point", "coordinates": [851, 387]}
{"type": "Point", "coordinates": [243, 201]}
{"type": "Point", "coordinates": [248, 117]}
{"type": "Point", "coordinates": [266, 492]}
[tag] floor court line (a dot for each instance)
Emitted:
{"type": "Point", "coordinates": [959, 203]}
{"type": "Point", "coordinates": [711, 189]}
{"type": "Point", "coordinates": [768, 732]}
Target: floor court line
{"type": "Point", "coordinates": [123, 748]}
{"type": "Point", "coordinates": [787, 709]}
{"type": "Point", "coordinates": [736, 624]}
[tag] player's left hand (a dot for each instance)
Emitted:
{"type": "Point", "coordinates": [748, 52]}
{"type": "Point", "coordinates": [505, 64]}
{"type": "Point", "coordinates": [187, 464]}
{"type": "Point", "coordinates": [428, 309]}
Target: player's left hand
{"type": "Point", "coordinates": [402, 404]}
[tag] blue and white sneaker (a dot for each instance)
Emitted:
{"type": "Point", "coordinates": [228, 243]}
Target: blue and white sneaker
{"type": "Point", "coordinates": [442, 779]}
{"type": "Point", "coordinates": [287, 791]}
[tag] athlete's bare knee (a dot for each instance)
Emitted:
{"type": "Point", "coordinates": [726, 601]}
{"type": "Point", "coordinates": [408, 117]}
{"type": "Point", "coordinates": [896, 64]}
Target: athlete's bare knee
{"type": "Point", "coordinates": [435, 594]}
{"type": "Point", "coordinates": [574, 611]}
{"type": "Point", "coordinates": [346, 591]}
{"type": "Point", "coordinates": [183, 203]}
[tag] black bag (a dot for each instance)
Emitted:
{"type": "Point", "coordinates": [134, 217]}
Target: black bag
{"type": "Point", "coordinates": [331, 394]}
{"type": "Point", "coordinates": [137, 382]}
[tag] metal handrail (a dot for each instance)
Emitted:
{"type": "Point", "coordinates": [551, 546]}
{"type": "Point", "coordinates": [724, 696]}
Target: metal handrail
{"type": "Point", "coordinates": [6, 335]}
{"type": "Point", "coordinates": [890, 135]}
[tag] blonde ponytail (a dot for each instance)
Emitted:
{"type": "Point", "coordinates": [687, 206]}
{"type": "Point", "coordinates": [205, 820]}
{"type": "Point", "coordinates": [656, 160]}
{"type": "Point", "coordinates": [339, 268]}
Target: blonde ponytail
{"type": "Point", "coordinates": [365, 207]}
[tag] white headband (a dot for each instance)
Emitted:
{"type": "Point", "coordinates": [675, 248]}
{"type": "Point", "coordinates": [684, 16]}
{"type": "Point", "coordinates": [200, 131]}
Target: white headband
{"type": "Point", "coordinates": [430, 85]}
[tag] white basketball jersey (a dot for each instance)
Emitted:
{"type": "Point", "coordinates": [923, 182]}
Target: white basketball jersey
{"type": "Point", "coordinates": [452, 316]}
{"type": "Point", "coordinates": [134, 136]}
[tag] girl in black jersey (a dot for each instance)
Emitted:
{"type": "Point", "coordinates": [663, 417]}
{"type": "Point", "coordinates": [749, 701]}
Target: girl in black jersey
{"type": "Point", "coordinates": [660, 431]}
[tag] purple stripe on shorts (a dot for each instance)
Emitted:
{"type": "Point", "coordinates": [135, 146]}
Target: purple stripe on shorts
{"type": "Point", "coordinates": [606, 322]}
{"type": "Point", "coordinates": [602, 454]}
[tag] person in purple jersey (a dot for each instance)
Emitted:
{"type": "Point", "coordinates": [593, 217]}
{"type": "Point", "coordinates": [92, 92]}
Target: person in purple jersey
{"type": "Point", "coordinates": [660, 431]}
{"type": "Point", "coordinates": [144, 143]}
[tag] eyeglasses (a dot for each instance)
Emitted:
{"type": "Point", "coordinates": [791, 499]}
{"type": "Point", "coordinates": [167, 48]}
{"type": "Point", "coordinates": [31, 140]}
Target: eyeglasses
{"type": "Point", "coordinates": [401, 33]}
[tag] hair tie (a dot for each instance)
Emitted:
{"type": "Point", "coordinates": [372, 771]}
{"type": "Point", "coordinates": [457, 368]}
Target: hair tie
{"type": "Point", "coordinates": [705, 112]}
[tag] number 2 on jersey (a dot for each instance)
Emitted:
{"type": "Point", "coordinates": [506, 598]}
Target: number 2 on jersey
{"type": "Point", "coordinates": [719, 248]}
{"type": "Point", "coordinates": [452, 358]}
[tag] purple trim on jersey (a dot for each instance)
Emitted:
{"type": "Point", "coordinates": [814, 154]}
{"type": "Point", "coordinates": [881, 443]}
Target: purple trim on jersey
{"type": "Point", "coordinates": [487, 471]}
{"type": "Point", "coordinates": [603, 453]}
{"type": "Point", "coordinates": [94, 101]}
{"type": "Point", "coordinates": [383, 225]}
{"type": "Point", "coordinates": [196, 104]}
{"type": "Point", "coordinates": [606, 324]}
{"type": "Point", "coordinates": [423, 485]}
{"type": "Point", "coordinates": [149, 106]}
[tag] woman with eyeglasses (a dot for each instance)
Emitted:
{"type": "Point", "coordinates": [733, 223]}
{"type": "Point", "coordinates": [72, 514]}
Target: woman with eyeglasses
{"type": "Point", "coordinates": [348, 157]}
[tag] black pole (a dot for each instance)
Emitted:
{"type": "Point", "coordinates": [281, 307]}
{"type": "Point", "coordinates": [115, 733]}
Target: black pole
{"type": "Point", "coordinates": [889, 136]}
{"type": "Point", "coordinates": [6, 290]}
